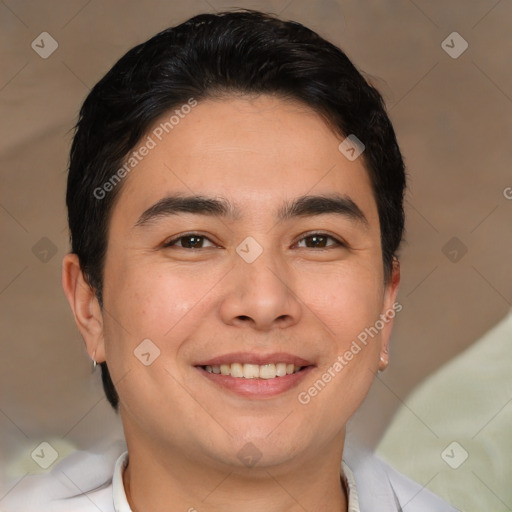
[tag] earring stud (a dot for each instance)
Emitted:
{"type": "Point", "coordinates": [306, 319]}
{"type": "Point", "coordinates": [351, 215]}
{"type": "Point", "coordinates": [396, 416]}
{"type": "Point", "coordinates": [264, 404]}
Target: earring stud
{"type": "Point", "coordinates": [94, 363]}
{"type": "Point", "coordinates": [384, 363]}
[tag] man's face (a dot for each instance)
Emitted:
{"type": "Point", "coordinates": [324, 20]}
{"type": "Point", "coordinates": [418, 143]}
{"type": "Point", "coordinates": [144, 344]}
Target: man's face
{"type": "Point", "coordinates": [262, 283]}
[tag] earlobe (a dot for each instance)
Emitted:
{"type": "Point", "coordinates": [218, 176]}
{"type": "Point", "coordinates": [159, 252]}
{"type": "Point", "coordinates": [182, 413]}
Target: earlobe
{"type": "Point", "coordinates": [85, 306]}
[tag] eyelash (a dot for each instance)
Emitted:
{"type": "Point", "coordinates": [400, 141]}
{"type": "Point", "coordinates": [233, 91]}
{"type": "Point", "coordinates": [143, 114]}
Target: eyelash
{"type": "Point", "coordinates": [338, 243]}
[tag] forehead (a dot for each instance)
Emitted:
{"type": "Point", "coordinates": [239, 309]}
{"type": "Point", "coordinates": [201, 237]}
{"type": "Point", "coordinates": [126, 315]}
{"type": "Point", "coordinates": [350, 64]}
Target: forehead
{"type": "Point", "coordinates": [252, 151]}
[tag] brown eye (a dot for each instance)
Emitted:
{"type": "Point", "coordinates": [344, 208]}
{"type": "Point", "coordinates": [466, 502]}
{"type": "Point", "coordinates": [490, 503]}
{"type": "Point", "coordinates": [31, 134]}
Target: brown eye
{"type": "Point", "coordinates": [319, 241]}
{"type": "Point", "coordinates": [188, 242]}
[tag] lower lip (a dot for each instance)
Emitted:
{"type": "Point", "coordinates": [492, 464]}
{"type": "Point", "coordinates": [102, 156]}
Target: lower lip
{"type": "Point", "coordinates": [257, 388]}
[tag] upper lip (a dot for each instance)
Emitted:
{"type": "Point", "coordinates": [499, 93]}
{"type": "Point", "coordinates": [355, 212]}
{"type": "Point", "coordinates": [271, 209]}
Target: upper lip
{"type": "Point", "coordinates": [255, 358]}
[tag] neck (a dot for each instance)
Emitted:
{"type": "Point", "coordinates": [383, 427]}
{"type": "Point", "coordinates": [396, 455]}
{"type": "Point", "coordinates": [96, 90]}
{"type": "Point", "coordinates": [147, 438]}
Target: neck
{"type": "Point", "coordinates": [155, 478]}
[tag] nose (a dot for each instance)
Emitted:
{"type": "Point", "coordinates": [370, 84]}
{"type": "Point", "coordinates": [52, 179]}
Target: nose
{"type": "Point", "coordinates": [261, 295]}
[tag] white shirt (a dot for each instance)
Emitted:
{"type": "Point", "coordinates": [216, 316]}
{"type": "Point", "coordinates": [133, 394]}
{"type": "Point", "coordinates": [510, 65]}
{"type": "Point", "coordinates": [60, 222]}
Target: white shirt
{"type": "Point", "coordinates": [89, 482]}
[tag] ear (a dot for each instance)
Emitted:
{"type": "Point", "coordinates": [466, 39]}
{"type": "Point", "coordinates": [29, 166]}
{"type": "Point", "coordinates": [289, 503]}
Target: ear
{"type": "Point", "coordinates": [85, 306]}
{"type": "Point", "coordinates": [390, 308]}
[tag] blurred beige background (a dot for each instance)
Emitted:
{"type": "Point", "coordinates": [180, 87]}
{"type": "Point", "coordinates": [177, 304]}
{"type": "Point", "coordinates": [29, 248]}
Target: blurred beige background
{"type": "Point", "coordinates": [452, 111]}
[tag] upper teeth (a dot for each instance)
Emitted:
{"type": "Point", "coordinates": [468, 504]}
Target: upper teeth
{"type": "Point", "coordinates": [254, 371]}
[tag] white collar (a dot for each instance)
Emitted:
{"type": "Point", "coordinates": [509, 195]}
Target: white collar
{"type": "Point", "coordinates": [350, 484]}
{"type": "Point", "coordinates": [118, 492]}
{"type": "Point", "coordinates": [121, 502]}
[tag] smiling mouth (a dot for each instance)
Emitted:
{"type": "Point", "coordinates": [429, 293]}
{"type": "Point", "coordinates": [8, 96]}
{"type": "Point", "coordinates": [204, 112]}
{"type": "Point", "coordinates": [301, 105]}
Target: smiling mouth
{"type": "Point", "coordinates": [254, 371]}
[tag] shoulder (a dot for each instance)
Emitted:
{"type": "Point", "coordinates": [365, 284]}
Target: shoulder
{"type": "Point", "coordinates": [80, 482]}
{"type": "Point", "coordinates": [416, 497]}
{"type": "Point", "coordinates": [380, 487]}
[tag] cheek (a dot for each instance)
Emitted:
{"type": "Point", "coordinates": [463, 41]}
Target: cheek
{"type": "Point", "coordinates": [346, 304]}
{"type": "Point", "coordinates": [156, 302]}
{"type": "Point", "coordinates": [147, 303]}
{"type": "Point", "coordinates": [346, 301]}
{"type": "Point", "coordinates": [151, 301]}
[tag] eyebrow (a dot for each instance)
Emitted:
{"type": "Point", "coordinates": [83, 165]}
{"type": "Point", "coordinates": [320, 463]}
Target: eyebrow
{"type": "Point", "coordinates": [304, 206]}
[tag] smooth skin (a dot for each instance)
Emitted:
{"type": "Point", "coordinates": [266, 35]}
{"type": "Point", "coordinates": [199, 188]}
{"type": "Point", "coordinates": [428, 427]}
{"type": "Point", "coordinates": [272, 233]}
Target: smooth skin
{"type": "Point", "coordinates": [197, 298]}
